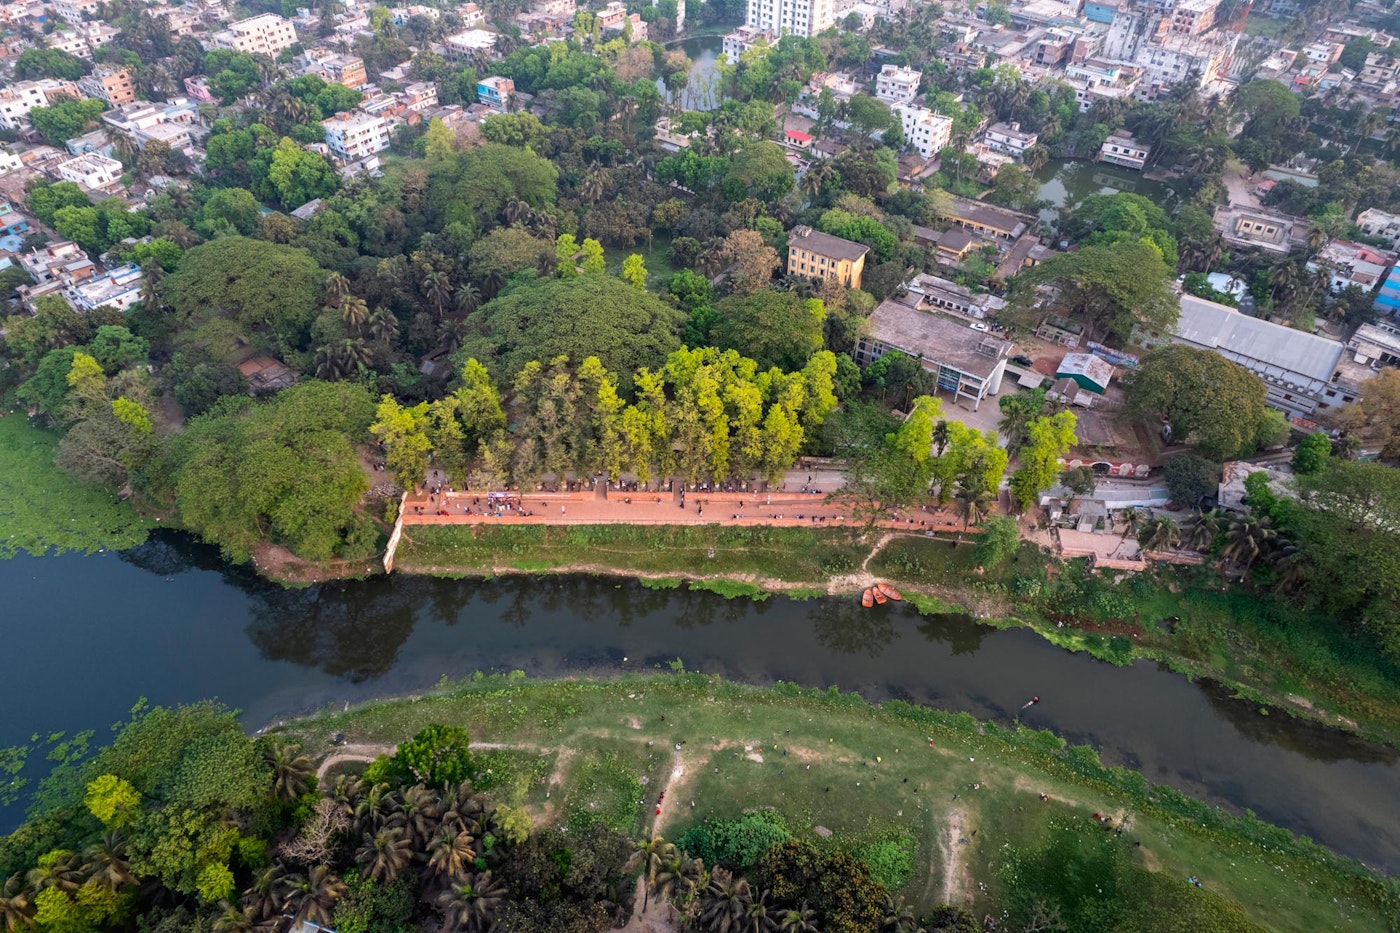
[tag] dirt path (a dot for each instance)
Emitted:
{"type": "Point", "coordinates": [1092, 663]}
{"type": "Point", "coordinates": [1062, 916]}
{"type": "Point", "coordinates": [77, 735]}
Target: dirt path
{"type": "Point", "coordinates": [370, 752]}
{"type": "Point", "coordinates": [674, 784]}
{"type": "Point", "coordinates": [956, 882]}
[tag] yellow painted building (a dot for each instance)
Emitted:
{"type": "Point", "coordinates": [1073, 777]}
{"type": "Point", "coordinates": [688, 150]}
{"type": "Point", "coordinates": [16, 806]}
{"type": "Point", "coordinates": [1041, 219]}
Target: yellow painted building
{"type": "Point", "coordinates": [823, 256]}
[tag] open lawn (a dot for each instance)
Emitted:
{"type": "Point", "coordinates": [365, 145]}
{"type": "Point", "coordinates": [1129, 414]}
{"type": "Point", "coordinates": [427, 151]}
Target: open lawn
{"type": "Point", "coordinates": [43, 509]}
{"type": "Point", "coordinates": [964, 797]}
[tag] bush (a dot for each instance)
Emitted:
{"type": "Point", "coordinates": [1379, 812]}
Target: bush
{"type": "Point", "coordinates": [891, 861]}
{"type": "Point", "coordinates": [736, 844]}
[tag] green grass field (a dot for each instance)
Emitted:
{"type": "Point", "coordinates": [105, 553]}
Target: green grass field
{"type": "Point", "coordinates": [44, 510]}
{"type": "Point", "coordinates": [965, 796]}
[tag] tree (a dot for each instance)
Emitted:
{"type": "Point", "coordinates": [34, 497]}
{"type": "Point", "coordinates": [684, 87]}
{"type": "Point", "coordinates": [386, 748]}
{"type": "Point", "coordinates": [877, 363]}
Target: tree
{"type": "Point", "coordinates": [1247, 539]}
{"type": "Point", "coordinates": [1191, 478]}
{"type": "Point", "coordinates": [112, 800]}
{"type": "Point", "coordinates": [48, 63]}
{"type": "Point", "coordinates": [760, 170]}
{"type": "Point", "coordinates": [1312, 453]}
{"type": "Point", "coordinates": [1114, 287]}
{"type": "Point", "coordinates": [403, 434]}
{"type": "Point", "coordinates": [1048, 440]}
{"type": "Point", "coordinates": [1376, 417]}
{"type": "Point", "coordinates": [470, 905]}
{"type": "Point", "coordinates": [292, 770]}
{"type": "Point", "coordinates": [504, 252]}
{"type": "Point", "coordinates": [773, 328]}
{"type": "Point", "coordinates": [1204, 398]}
{"type": "Point", "coordinates": [1160, 534]}
{"type": "Point", "coordinates": [229, 210]}
{"type": "Point", "coordinates": [66, 119]}
{"type": "Point", "coordinates": [291, 175]}
{"type": "Point", "coordinates": [860, 229]}
{"type": "Point", "coordinates": [1018, 410]}
{"type": "Point", "coordinates": [750, 261]}
{"type": "Point", "coordinates": [634, 272]}
{"type": "Point", "coordinates": [594, 315]}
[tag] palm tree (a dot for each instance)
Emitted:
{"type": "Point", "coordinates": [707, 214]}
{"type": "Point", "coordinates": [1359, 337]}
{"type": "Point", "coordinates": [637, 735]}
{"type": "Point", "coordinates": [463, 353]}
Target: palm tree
{"type": "Point", "coordinates": [941, 437]}
{"type": "Point", "coordinates": [467, 299]}
{"type": "Point", "coordinates": [292, 770]}
{"type": "Point", "coordinates": [515, 211]}
{"type": "Point", "coordinates": [452, 334]}
{"type": "Point", "coordinates": [107, 863]}
{"type": "Point", "coordinates": [1160, 534]}
{"type": "Point", "coordinates": [801, 920]}
{"type": "Point", "coordinates": [62, 870]}
{"type": "Point", "coordinates": [1202, 528]}
{"type": "Point", "coordinates": [383, 325]}
{"type": "Point", "coordinates": [421, 811]}
{"type": "Point", "coordinates": [652, 855]}
{"type": "Point", "coordinates": [593, 184]}
{"type": "Point", "coordinates": [337, 287]}
{"type": "Point", "coordinates": [437, 288]}
{"type": "Point", "coordinates": [16, 907]}
{"type": "Point", "coordinates": [385, 854]}
{"type": "Point", "coordinates": [820, 172]}
{"type": "Point", "coordinates": [449, 853]}
{"type": "Point", "coordinates": [339, 360]}
{"type": "Point", "coordinates": [973, 501]}
{"type": "Point", "coordinates": [471, 905]}
{"type": "Point", "coordinates": [268, 893]}
{"type": "Point", "coordinates": [355, 313]}
{"type": "Point", "coordinates": [314, 895]}
{"type": "Point", "coordinates": [759, 915]}
{"type": "Point", "coordinates": [724, 902]}
{"type": "Point", "coordinates": [1132, 521]}
{"type": "Point", "coordinates": [233, 919]}
{"type": "Point", "coordinates": [1248, 539]}
{"type": "Point", "coordinates": [376, 807]}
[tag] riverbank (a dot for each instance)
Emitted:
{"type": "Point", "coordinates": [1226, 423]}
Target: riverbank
{"type": "Point", "coordinates": [1183, 618]}
{"type": "Point", "coordinates": [954, 804]}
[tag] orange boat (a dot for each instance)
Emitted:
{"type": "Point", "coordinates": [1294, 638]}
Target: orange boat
{"type": "Point", "coordinates": [867, 598]}
{"type": "Point", "coordinates": [889, 591]}
{"type": "Point", "coordinates": [880, 596]}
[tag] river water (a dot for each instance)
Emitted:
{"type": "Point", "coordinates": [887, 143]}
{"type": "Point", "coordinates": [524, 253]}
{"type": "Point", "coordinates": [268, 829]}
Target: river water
{"type": "Point", "coordinates": [86, 636]}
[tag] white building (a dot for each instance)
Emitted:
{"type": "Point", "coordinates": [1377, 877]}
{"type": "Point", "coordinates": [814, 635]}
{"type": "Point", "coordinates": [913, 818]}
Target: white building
{"type": "Point", "coordinates": [1010, 139]}
{"type": "Point", "coordinates": [74, 12]}
{"type": "Point", "coordinates": [19, 98]}
{"type": "Point", "coordinates": [803, 18]}
{"type": "Point", "coordinates": [9, 162]}
{"type": "Point", "coordinates": [265, 34]}
{"type": "Point", "coordinates": [66, 40]}
{"type": "Point", "coordinates": [744, 38]}
{"type": "Point", "coordinates": [1381, 225]}
{"type": "Point", "coordinates": [354, 136]}
{"type": "Point", "coordinates": [1120, 148]}
{"type": "Point", "coordinates": [896, 85]}
{"type": "Point", "coordinates": [91, 170]}
{"type": "Point", "coordinates": [927, 132]}
{"type": "Point", "coordinates": [119, 288]}
{"type": "Point", "coordinates": [468, 43]}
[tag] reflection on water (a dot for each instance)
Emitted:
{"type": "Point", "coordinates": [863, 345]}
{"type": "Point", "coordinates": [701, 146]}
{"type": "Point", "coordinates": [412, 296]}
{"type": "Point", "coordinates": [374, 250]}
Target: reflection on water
{"type": "Point", "coordinates": [1065, 183]}
{"type": "Point", "coordinates": [172, 622]}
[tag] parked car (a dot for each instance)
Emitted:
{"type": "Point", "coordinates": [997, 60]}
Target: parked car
{"type": "Point", "coordinates": [1021, 359]}
{"type": "Point", "coordinates": [978, 325]}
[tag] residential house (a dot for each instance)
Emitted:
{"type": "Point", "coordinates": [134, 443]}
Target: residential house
{"type": "Point", "coordinates": [803, 18]}
{"type": "Point", "coordinates": [75, 12]}
{"type": "Point", "coordinates": [12, 222]}
{"type": "Point", "coordinates": [896, 84]}
{"type": "Point", "coordinates": [966, 362]}
{"type": "Point", "coordinates": [20, 97]}
{"type": "Point", "coordinates": [823, 256]}
{"type": "Point", "coordinates": [939, 294]}
{"type": "Point", "coordinates": [118, 288]}
{"type": "Point", "coordinates": [9, 161]}
{"type": "Point", "coordinates": [91, 171]}
{"type": "Point", "coordinates": [1377, 344]}
{"type": "Point", "coordinates": [1258, 228]}
{"type": "Point", "coordinates": [928, 132]}
{"type": "Point", "coordinates": [468, 44]}
{"type": "Point", "coordinates": [1352, 264]}
{"type": "Point", "coordinates": [1388, 298]}
{"type": "Point", "coordinates": [197, 86]}
{"type": "Point", "coordinates": [1120, 148]}
{"type": "Point", "coordinates": [996, 223]}
{"type": "Point", "coordinates": [1010, 139]}
{"type": "Point", "coordinates": [739, 41]}
{"type": "Point", "coordinates": [1380, 225]}
{"type": "Point", "coordinates": [497, 92]}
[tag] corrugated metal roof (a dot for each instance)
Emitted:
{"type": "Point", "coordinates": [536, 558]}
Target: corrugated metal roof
{"type": "Point", "coordinates": [1216, 326]}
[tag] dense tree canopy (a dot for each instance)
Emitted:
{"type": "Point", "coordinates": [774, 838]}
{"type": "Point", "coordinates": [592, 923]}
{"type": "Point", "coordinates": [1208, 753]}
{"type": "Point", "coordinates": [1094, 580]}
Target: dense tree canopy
{"type": "Point", "coordinates": [1208, 400]}
{"type": "Point", "coordinates": [581, 316]}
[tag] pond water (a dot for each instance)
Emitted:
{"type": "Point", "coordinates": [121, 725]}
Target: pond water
{"type": "Point", "coordinates": [86, 636]}
{"type": "Point", "coordinates": [703, 92]}
{"type": "Point", "coordinates": [1065, 183]}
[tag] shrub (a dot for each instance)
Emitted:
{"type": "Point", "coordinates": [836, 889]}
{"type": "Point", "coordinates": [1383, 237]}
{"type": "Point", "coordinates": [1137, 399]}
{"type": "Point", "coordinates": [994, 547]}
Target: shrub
{"type": "Point", "coordinates": [891, 861]}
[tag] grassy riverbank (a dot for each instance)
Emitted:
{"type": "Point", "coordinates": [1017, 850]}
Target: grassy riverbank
{"type": "Point", "coordinates": [953, 807]}
{"type": "Point", "coordinates": [1256, 646]}
{"type": "Point", "coordinates": [44, 510]}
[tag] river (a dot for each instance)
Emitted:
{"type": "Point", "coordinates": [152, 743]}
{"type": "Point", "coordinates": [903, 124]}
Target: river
{"type": "Point", "coordinates": [1065, 183]}
{"type": "Point", "coordinates": [703, 92]}
{"type": "Point", "coordinates": [86, 636]}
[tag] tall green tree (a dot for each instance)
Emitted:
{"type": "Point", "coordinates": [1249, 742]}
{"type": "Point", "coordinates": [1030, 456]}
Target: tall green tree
{"type": "Point", "coordinates": [1208, 400]}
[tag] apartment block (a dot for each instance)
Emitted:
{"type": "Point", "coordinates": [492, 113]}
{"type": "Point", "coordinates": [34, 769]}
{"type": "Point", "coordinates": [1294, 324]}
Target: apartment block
{"type": "Point", "coordinates": [928, 132]}
{"type": "Point", "coordinates": [265, 34]}
{"type": "Point", "coordinates": [112, 85]}
{"type": "Point", "coordinates": [791, 17]}
{"type": "Point", "coordinates": [355, 136]}
{"type": "Point", "coordinates": [92, 171]}
{"type": "Point", "coordinates": [74, 12]}
{"type": "Point", "coordinates": [897, 85]}
{"type": "Point", "coordinates": [19, 98]}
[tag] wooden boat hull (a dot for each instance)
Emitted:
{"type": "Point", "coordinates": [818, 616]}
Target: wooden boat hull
{"type": "Point", "coordinates": [867, 599]}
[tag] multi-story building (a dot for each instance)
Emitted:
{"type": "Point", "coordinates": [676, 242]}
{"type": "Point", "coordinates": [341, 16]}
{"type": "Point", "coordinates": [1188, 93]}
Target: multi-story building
{"type": "Point", "coordinates": [355, 136]}
{"type": "Point", "coordinates": [9, 161]}
{"type": "Point", "coordinates": [92, 171]}
{"type": "Point", "coordinates": [1381, 225]}
{"type": "Point", "coordinates": [897, 85]}
{"type": "Point", "coordinates": [264, 34]}
{"type": "Point", "coordinates": [965, 361]}
{"type": "Point", "coordinates": [1193, 17]}
{"type": "Point", "coordinates": [109, 84]}
{"type": "Point", "coordinates": [74, 12]}
{"type": "Point", "coordinates": [1120, 148]}
{"type": "Point", "coordinates": [1010, 139]}
{"type": "Point", "coordinates": [419, 96]}
{"type": "Point", "coordinates": [197, 86]}
{"type": "Point", "coordinates": [1262, 229]}
{"type": "Point", "coordinates": [1388, 298]}
{"type": "Point", "coordinates": [118, 288]}
{"type": "Point", "coordinates": [66, 40]}
{"type": "Point", "coordinates": [739, 41]}
{"type": "Point", "coordinates": [928, 132]}
{"type": "Point", "coordinates": [791, 17]}
{"type": "Point", "coordinates": [1376, 345]}
{"type": "Point", "coordinates": [181, 21]}
{"type": "Point", "coordinates": [468, 43]}
{"type": "Point", "coordinates": [333, 67]}
{"type": "Point", "coordinates": [496, 92]}
{"type": "Point", "coordinates": [823, 256]}
{"type": "Point", "coordinates": [17, 99]}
